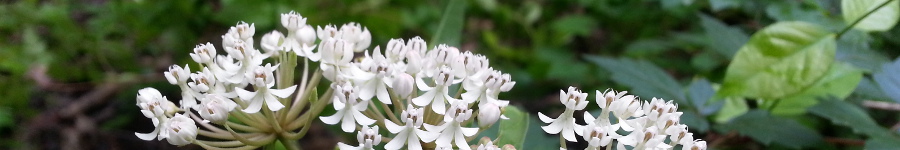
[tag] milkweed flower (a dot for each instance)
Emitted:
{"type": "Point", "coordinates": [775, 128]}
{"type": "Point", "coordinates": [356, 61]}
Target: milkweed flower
{"type": "Point", "coordinates": [368, 138]}
{"type": "Point", "coordinates": [452, 130]}
{"type": "Point", "coordinates": [215, 108]}
{"type": "Point", "coordinates": [409, 133]}
{"type": "Point", "coordinates": [154, 106]}
{"type": "Point", "coordinates": [349, 108]}
{"type": "Point", "coordinates": [574, 100]}
{"type": "Point", "coordinates": [180, 130]}
{"type": "Point", "coordinates": [263, 80]}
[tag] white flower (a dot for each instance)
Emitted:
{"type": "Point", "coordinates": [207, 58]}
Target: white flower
{"type": "Point", "coordinates": [329, 32]}
{"type": "Point", "coordinates": [349, 110]}
{"type": "Point", "coordinates": [565, 123]}
{"type": "Point", "coordinates": [605, 101]}
{"type": "Point", "coordinates": [306, 35]}
{"type": "Point", "coordinates": [245, 31]}
{"type": "Point", "coordinates": [336, 55]}
{"type": "Point", "coordinates": [488, 146]}
{"type": "Point", "coordinates": [368, 138]}
{"type": "Point", "coordinates": [408, 134]}
{"type": "Point", "coordinates": [599, 135]}
{"type": "Point", "coordinates": [178, 75]}
{"type": "Point", "coordinates": [292, 21]}
{"type": "Point", "coordinates": [395, 51]}
{"type": "Point", "coordinates": [441, 56]}
{"type": "Point", "coordinates": [272, 42]}
{"type": "Point", "coordinates": [469, 64]}
{"type": "Point", "coordinates": [376, 78]}
{"type": "Point", "coordinates": [359, 36]}
{"type": "Point", "coordinates": [263, 80]}
{"type": "Point", "coordinates": [404, 84]}
{"type": "Point", "coordinates": [415, 53]}
{"type": "Point", "coordinates": [680, 135]}
{"type": "Point", "coordinates": [625, 108]}
{"type": "Point", "coordinates": [438, 95]}
{"type": "Point", "coordinates": [204, 81]}
{"type": "Point", "coordinates": [486, 87]}
{"type": "Point", "coordinates": [154, 106]}
{"type": "Point", "coordinates": [215, 108]}
{"type": "Point", "coordinates": [180, 130]}
{"type": "Point", "coordinates": [452, 130]}
{"type": "Point", "coordinates": [488, 114]}
{"type": "Point", "coordinates": [696, 145]}
{"type": "Point", "coordinates": [644, 138]}
{"type": "Point", "coordinates": [204, 53]}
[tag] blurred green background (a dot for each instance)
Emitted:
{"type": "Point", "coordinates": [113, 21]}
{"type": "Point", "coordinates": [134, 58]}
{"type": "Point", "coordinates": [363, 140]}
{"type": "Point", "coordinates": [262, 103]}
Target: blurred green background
{"type": "Point", "coordinates": [69, 70]}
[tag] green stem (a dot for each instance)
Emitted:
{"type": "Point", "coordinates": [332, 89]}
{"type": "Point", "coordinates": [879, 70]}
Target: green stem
{"type": "Point", "coordinates": [861, 18]}
{"type": "Point", "coordinates": [289, 144]}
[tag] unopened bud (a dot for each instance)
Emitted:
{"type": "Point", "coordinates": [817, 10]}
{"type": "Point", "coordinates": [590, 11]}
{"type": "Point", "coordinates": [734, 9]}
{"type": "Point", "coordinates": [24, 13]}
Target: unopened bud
{"type": "Point", "coordinates": [488, 114]}
{"type": "Point", "coordinates": [404, 84]}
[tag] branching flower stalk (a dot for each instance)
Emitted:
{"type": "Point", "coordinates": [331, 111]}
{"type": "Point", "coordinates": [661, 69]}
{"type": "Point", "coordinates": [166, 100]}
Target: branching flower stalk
{"type": "Point", "coordinates": [648, 124]}
{"type": "Point", "coordinates": [435, 98]}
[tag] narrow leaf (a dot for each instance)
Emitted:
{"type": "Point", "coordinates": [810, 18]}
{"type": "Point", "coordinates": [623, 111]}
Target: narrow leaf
{"type": "Point", "coordinates": [723, 39]}
{"type": "Point", "coordinates": [888, 79]}
{"type": "Point", "coordinates": [449, 30]}
{"type": "Point", "coordinates": [767, 129]}
{"type": "Point", "coordinates": [849, 115]}
{"type": "Point", "coordinates": [641, 76]}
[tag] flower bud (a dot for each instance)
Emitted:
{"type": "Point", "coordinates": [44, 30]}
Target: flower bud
{"type": "Point", "coordinates": [404, 84]}
{"type": "Point", "coordinates": [272, 41]}
{"type": "Point", "coordinates": [215, 108]}
{"type": "Point", "coordinates": [329, 32]}
{"type": "Point", "coordinates": [395, 50]}
{"type": "Point", "coordinates": [245, 31]}
{"type": "Point", "coordinates": [488, 114]}
{"type": "Point", "coordinates": [508, 147]}
{"type": "Point", "coordinates": [181, 130]}
{"type": "Point", "coordinates": [204, 53]}
{"type": "Point", "coordinates": [178, 75]}
{"type": "Point", "coordinates": [306, 35]}
{"type": "Point", "coordinates": [292, 21]}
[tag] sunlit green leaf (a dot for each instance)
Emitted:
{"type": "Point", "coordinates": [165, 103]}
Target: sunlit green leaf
{"type": "Point", "coordinates": [881, 20]}
{"type": "Point", "coordinates": [733, 107]}
{"type": "Point", "coordinates": [514, 129]}
{"type": "Point", "coordinates": [767, 129]}
{"type": "Point", "coordinates": [641, 76]}
{"type": "Point", "coordinates": [780, 60]}
{"type": "Point", "coordinates": [849, 115]}
{"type": "Point", "coordinates": [838, 82]}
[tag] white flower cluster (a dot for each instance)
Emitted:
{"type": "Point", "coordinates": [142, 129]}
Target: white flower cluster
{"type": "Point", "coordinates": [417, 80]}
{"type": "Point", "coordinates": [648, 123]}
{"type": "Point", "coordinates": [407, 77]}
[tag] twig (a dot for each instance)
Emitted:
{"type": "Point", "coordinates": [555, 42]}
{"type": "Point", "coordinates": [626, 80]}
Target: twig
{"type": "Point", "coordinates": [881, 105]}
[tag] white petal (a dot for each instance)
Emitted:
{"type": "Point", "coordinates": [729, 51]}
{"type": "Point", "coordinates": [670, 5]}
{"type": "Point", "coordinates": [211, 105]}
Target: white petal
{"type": "Point", "coordinates": [438, 106]}
{"type": "Point", "coordinates": [544, 118]}
{"type": "Point", "coordinates": [367, 91]}
{"type": "Point", "coordinates": [393, 128]}
{"type": "Point", "coordinates": [148, 136]}
{"type": "Point", "coordinates": [469, 131]}
{"type": "Point", "coordinates": [588, 118]}
{"type": "Point", "coordinates": [426, 136]}
{"type": "Point", "coordinates": [333, 119]}
{"type": "Point", "coordinates": [273, 103]}
{"type": "Point", "coordinates": [461, 141]}
{"type": "Point", "coordinates": [553, 128]}
{"type": "Point", "coordinates": [569, 135]}
{"type": "Point", "coordinates": [424, 99]}
{"type": "Point", "coordinates": [347, 123]}
{"type": "Point", "coordinates": [397, 142]}
{"type": "Point", "coordinates": [254, 106]}
{"type": "Point", "coordinates": [244, 94]}
{"type": "Point", "coordinates": [283, 93]}
{"type": "Point", "coordinates": [382, 94]}
{"type": "Point", "coordinates": [362, 119]}
{"type": "Point", "coordinates": [413, 142]}
{"type": "Point", "coordinates": [421, 84]}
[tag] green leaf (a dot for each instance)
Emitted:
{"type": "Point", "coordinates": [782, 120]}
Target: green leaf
{"type": "Point", "coordinates": [838, 82]}
{"type": "Point", "coordinates": [575, 24]}
{"type": "Point", "coordinates": [514, 129]}
{"type": "Point", "coordinates": [449, 30]}
{"type": "Point", "coordinates": [888, 80]}
{"type": "Point", "coordinates": [733, 107]}
{"type": "Point", "coordinates": [780, 60]}
{"type": "Point", "coordinates": [700, 92]}
{"type": "Point", "coordinates": [882, 143]}
{"type": "Point", "coordinates": [641, 76]}
{"type": "Point", "coordinates": [718, 5]}
{"type": "Point", "coordinates": [767, 129]}
{"type": "Point", "coordinates": [882, 19]}
{"type": "Point", "coordinates": [723, 39]}
{"type": "Point", "coordinates": [849, 115]}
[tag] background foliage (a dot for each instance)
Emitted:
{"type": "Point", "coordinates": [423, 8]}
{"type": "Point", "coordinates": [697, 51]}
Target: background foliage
{"type": "Point", "coordinates": [69, 70]}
